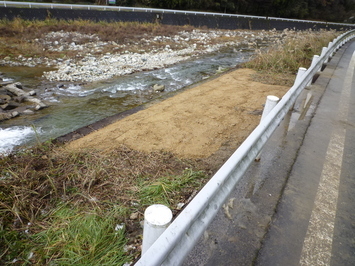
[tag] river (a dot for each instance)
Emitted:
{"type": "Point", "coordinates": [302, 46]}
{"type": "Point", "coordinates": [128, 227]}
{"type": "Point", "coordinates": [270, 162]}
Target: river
{"type": "Point", "coordinates": [72, 106]}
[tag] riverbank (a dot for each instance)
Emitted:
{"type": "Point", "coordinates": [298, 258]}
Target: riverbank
{"type": "Point", "coordinates": [164, 154]}
{"type": "Point", "coordinates": [192, 124]}
{"type": "Point", "coordinates": [83, 51]}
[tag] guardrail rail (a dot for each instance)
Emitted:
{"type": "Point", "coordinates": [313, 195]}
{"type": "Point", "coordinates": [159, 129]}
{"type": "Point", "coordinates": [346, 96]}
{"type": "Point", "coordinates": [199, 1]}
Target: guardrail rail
{"type": "Point", "coordinates": [156, 10]}
{"type": "Point", "coordinates": [172, 247]}
{"type": "Point", "coordinates": [180, 237]}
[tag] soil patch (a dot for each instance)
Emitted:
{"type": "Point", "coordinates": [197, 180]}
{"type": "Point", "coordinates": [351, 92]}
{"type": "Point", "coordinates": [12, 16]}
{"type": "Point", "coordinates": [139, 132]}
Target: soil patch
{"type": "Point", "coordinates": [193, 124]}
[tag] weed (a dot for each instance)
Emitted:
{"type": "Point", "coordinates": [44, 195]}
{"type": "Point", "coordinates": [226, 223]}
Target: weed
{"type": "Point", "coordinates": [165, 189]}
{"type": "Point", "coordinates": [60, 207]}
{"type": "Point", "coordinates": [294, 51]}
{"type": "Point", "coordinates": [56, 205]}
{"type": "Point", "coordinates": [26, 38]}
{"type": "Point", "coordinates": [13, 244]}
{"type": "Point", "coordinates": [79, 237]}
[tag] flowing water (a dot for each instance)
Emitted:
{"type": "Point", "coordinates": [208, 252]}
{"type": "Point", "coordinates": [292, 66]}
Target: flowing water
{"type": "Point", "coordinates": [72, 106]}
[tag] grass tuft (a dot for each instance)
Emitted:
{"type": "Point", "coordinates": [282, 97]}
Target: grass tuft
{"type": "Point", "coordinates": [83, 238]}
{"type": "Point", "coordinates": [164, 189]}
{"type": "Point", "coordinates": [287, 55]}
{"type": "Point", "coordinates": [61, 208]}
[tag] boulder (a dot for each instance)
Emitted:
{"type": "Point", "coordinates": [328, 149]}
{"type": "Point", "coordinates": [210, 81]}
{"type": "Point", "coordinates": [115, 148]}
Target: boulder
{"type": "Point", "coordinates": [4, 83]}
{"type": "Point", "coordinates": [8, 115]}
{"type": "Point", "coordinates": [159, 88]}
{"type": "Point", "coordinates": [16, 88]}
{"type": "Point", "coordinates": [5, 116]}
{"type": "Point", "coordinates": [13, 99]}
{"type": "Point", "coordinates": [19, 99]}
{"type": "Point", "coordinates": [9, 106]}
{"type": "Point", "coordinates": [4, 98]}
{"type": "Point", "coordinates": [4, 106]}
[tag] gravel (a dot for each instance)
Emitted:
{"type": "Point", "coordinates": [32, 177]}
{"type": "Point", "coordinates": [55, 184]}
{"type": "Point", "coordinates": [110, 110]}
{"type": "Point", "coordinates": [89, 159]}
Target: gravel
{"type": "Point", "coordinates": [89, 65]}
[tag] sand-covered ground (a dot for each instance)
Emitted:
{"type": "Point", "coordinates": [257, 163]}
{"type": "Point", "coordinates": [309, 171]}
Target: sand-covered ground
{"type": "Point", "coordinates": [193, 124]}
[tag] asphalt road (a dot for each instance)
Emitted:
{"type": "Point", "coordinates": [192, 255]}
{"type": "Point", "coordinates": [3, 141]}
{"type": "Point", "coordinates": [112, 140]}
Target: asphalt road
{"type": "Point", "coordinates": [296, 206]}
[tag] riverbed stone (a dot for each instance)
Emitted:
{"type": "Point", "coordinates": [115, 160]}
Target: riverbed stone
{"type": "Point", "coordinates": [15, 101]}
{"type": "Point", "coordinates": [19, 99]}
{"type": "Point", "coordinates": [10, 106]}
{"type": "Point", "coordinates": [4, 98]}
{"type": "Point", "coordinates": [5, 116]}
{"type": "Point", "coordinates": [28, 112]}
{"type": "Point", "coordinates": [158, 88]}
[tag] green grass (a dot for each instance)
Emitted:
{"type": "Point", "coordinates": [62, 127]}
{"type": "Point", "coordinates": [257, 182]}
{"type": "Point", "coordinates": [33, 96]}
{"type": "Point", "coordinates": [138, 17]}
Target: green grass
{"type": "Point", "coordinates": [61, 208]}
{"type": "Point", "coordinates": [164, 189]}
{"type": "Point", "coordinates": [81, 238]}
{"type": "Point", "coordinates": [73, 237]}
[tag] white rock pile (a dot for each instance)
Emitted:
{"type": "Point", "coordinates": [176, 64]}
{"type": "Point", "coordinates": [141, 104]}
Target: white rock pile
{"type": "Point", "coordinates": [92, 68]}
{"type": "Point", "coordinates": [89, 65]}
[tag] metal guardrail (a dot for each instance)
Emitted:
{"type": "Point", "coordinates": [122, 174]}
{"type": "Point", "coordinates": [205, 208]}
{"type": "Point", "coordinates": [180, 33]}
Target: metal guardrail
{"type": "Point", "coordinates": [155, 10]}
{"type": "Point", "coordinates": [172, 247]}
{"type": "Point", "coordinates": [180, 237]}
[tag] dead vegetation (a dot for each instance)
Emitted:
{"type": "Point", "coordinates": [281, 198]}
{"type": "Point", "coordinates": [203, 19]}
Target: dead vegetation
{"type": "Point", "coordinates": [279, 63]}
{"type": "Point", "coordinates": [47, 193]}
{"type": "Point", "coordinates": [19, 37]}
{"type": "Point", "coordinates": [35, 184]}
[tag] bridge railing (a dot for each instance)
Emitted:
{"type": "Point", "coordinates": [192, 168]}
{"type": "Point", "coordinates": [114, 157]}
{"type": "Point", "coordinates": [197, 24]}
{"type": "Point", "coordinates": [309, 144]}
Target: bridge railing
{"type": "Point", "coordinates": [172, 247]}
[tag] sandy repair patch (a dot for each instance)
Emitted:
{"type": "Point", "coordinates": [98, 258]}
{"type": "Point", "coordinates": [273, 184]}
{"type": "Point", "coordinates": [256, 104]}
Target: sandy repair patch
{"type": "Point", "coordinates": [192, 124]}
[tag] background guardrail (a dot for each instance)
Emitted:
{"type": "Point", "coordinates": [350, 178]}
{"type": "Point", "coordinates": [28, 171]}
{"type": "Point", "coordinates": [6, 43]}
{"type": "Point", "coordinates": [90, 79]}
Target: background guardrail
{"type": "Point", "coordinates": [272, 22]}
{"type": "Point", "coordinates": [180, 237]}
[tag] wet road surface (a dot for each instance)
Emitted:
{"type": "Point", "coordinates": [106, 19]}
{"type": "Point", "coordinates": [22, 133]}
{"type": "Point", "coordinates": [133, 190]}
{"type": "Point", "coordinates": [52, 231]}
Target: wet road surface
{"type": "Point", "coordinates": [296, 206]}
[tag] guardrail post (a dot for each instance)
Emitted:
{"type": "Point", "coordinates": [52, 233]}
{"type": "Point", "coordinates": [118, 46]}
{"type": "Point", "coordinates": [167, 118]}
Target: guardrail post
{"type": "Point", "coordinates": [324, 51]}
{"type": "Point", "coordinates": [271, 102]}
{"type": "Point", "coordinates": [305, 105]}
{"type": "Point", "coordinates": [157, 218]}
{"type": "Point", "coordinates": [300, 73]}
{"type": "Point", "coordinates": [314, 62]}
{"type": "Point", "coordinates": [329, 46]}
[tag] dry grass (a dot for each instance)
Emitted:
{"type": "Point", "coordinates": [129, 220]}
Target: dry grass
{"type": "Point", "coordinates": [279, 63]}
{"type": "Point", "coordinates": [18, 37]}
{"type": "Point", "coordinates": [36, 182]}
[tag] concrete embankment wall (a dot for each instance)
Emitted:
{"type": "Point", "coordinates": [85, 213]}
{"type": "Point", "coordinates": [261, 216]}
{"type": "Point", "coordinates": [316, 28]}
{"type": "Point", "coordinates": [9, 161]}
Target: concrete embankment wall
{"type": "Point", "coordinates": [197, 20]}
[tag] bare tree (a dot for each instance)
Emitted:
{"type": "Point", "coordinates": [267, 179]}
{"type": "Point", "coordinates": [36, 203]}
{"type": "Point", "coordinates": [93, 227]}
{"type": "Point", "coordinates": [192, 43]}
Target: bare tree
{"type": "Point", "coordinates": [101, 2]}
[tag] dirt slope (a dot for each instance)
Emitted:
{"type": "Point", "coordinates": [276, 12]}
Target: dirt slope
{"type": "Point", "coordinates": [194, 123]}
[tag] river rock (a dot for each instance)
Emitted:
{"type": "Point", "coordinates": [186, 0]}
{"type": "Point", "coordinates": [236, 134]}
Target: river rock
{"type": "Point", "coordinates": [3, 83]}
{"type": "Point", "coordinates": [14, 114]}
{"type": "Point", "coordinates": [15, 101]}
{"type": "Point", "coordinates": [16, 88]}
{"type": "Point", "coordinates": [28, 112]}
{"type": "Point", "coordinates": [159, 88]}
{"type": "Point", "coordinates": [19, 99]}
{"type": "Point", "coordinates": [40, 106]}
{"type": "Point", "coordinates": [4, 98]}
{"type": "Point", "coordinates": [5, 116]}
{"type": "Point", "coordinates": [9, 106]}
